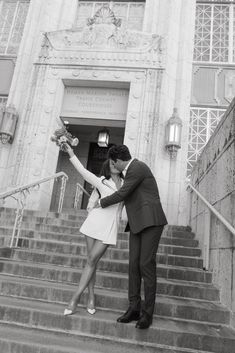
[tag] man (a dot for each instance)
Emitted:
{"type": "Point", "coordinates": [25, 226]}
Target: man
{"type": "Point", "coordinates": [146, 221]}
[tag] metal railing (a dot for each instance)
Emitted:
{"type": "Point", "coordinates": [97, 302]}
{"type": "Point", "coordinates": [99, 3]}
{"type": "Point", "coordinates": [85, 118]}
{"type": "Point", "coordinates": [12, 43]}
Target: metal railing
{"type": "Point", "coordinates": [79, 190]}
{"type": "Point", "coordinates": [207, 225]}
{"type": "Point", "coordinates": [20, 195]}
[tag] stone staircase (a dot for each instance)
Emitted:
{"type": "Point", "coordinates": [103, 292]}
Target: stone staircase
{"type": "Point", "coordinates": [37, 280]}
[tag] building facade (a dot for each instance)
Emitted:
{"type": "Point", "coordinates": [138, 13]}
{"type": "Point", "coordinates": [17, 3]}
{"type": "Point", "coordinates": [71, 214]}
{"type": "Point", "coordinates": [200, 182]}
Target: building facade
{"type": "Point", "coordinates": [119, 65]}
{"type": "Point", "coordinates": [213, 85]}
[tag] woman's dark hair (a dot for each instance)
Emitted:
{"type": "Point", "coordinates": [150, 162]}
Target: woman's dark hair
{"type": "Point", "coordinates": [105, 170]}
{"type": "Point", "coordinates": [119, 152]}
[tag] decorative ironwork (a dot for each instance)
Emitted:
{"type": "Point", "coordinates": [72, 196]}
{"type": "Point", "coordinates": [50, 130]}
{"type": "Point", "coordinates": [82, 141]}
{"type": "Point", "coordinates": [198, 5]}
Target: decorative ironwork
{"type": "Point", "coordinates": [62, 192]}
{"type": "Point", "coordinates": [20, 195]}
{"type": "Point", "coordinates": [203, 122]}
{"type": "Point", "coordinates": [214, 32]}
{"type": "Point", "coordinates": [21, 203]}
{"type": "Point", "coordinates": [3, 102]}
{"type": "Point", "coordinates": [128, 14]}
{"type": "Point", "coordinates": [79, 191]}
{"type": "Point", "coordinates": [12, 20]}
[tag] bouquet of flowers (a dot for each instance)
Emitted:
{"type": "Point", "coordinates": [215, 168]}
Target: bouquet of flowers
{"type": "Point", "coordinates": [62, 137]}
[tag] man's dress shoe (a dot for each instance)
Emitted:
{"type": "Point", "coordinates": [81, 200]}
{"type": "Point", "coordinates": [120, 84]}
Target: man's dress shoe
{"type": "Point", "coordinates": [130, 315]}
{"type": "Point", "coordinates": [144, 322]}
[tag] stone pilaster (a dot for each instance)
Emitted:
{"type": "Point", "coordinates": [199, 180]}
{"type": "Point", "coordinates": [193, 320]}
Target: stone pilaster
{"type": "Point", "coordinates": [175, 92]}
{"type": "Point", "coordinates": [148, 126]}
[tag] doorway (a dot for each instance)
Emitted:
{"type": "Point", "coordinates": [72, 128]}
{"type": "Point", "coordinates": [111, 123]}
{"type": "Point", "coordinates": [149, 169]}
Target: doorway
{"type": "Point", "coordinates": [96, 157]}
{"type": "Point", "coordinates": [90, 155]}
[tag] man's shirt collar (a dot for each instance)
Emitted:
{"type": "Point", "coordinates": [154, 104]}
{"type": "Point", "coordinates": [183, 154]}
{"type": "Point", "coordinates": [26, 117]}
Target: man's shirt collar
{"type": "Point", "coordinates": [126, 167]}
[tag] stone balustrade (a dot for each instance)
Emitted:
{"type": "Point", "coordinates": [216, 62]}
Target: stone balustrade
{"type": "Point", "coordinates": [214, 177]}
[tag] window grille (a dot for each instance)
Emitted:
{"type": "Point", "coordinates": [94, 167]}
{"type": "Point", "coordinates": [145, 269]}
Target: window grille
{"type": "Point", "coordinates": [215, 32]}
{"type": "Point", "coordinates": [12, 20]}
{"type": "Point", "coordinates": [203, 122]}
{"type": "Point", "coordinates": [131, 13]}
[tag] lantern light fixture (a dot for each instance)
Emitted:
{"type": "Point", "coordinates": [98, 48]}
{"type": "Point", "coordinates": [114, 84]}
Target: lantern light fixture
{"type": "Point", "coordinates": [8, 122]}
{"type": "Point", "coordinates": [173, 134]}
{"type": "Point", "coordinates": [103, 138]}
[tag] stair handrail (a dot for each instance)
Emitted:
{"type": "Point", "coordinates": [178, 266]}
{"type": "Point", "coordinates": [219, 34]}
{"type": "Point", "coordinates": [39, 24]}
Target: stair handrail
{"type": "Point", "coordinates": [22, 192]}
{"type": "Point", "coordinates": [213, 210]}
{"type": "Point", "coordinates": [207, 230]}
{"type": "Point", "coordinates": [79, 190]}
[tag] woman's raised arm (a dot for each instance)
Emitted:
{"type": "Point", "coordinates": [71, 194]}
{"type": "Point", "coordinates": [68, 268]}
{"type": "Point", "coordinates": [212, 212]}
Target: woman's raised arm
{"type": "Point", "coordinates": [88, 176]}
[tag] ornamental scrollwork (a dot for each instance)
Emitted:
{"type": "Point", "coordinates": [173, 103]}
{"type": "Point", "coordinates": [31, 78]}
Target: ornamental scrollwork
{"type": "Point", "coordinates": [104, 16]}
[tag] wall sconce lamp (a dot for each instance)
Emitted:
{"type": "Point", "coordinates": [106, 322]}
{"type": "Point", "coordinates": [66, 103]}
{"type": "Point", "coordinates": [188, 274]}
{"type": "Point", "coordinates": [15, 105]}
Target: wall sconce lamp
{"type": "Point", "coordinates": [8, 122]}
{"type": "Point", "coordinates": [173, 134]}
{"type": "Point", "coordinates": [103, 138]}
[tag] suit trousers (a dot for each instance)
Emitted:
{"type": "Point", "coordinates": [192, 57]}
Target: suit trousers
{"type": "Point", "coordinates": [142, 265]}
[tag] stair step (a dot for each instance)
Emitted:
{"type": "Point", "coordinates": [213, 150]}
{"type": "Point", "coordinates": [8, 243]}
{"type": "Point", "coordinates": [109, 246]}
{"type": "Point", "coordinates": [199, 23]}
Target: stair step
{"type": "Point", "coordinates": [66, 214]}
{"type": "Point", "coordinates": [112, 265]}
{"type": "Point", "coordinates": [6, 219]}
{"type": "Point", "coordinates": [77, 238]}
{"type": "Point", "coordinates": [38, 279]}
{"type": "Point", "coordinates": [105, 279]}
{"type": "Point", "coordinates": [72, 227]}
{"type": "Point", "coordinates": [52, 218]}
{"type": "Point", "coordinates": [78, 215]}
{"type": "Point", "coordinates": [183, 308]}
{"type": "Point", "coordinates": [179, 333]}
{"type": "Point", "coordinates": [165, 246]}
{"type": "Point", "coordinates": [112, 252]}
{"type": "Point", "coordinates": [14, 339]}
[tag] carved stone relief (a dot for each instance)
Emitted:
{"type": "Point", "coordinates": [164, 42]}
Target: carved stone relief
{"type": "Point", "coordinates": [102, 38]}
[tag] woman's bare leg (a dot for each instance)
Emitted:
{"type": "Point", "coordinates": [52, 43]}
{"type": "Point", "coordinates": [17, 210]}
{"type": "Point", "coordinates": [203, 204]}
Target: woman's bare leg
{"type": "Point", "coordinates": [91, 294]}
{"type": "Point", "coordinates": [96, 253]}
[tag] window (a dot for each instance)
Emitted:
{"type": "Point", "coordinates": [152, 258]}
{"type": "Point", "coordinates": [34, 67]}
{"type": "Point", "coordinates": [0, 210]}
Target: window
{"type": "Point", "coordinates": [12, 20]}
{"type": "Point", "coordinates": [215, 31]}
{"type": "Point", "coordinates": [203, 122]}
{"type": "Point", "coordinates": [131, 13]}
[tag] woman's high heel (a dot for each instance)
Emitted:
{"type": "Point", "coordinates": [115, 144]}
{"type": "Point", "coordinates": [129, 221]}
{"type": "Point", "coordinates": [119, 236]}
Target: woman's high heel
{"type": "Point", "coordinates": [70, 310]}
{"type": "Point", "coordinates": [91, 307]}
{"type": "Point", "coordinates": [91, 311]}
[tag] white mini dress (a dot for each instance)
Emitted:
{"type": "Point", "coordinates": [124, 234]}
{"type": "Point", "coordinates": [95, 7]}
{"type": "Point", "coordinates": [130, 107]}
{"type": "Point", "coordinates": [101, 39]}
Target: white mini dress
{"type": "Point", "coordinates": [101, 223]}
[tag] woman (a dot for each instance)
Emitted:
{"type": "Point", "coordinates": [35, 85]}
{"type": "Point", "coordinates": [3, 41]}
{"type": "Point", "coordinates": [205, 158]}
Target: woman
{"type": "Point", "coordinates": [100, 226]}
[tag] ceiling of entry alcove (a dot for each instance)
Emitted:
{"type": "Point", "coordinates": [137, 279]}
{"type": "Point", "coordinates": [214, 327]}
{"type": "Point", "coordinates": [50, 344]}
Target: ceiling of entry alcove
{"type": "Point", "coordinates": [95, 83]}
{"type": "Point", "coordinates": [85, 129]}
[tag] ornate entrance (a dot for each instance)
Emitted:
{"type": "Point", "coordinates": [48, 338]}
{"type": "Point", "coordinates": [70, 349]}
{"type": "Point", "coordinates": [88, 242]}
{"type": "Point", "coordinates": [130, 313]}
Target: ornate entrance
{"type": "Point", "coordinates": [90, 155]}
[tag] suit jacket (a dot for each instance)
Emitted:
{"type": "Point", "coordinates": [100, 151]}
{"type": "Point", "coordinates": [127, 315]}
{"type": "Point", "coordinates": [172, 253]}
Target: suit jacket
{"type": "Point", "coordinates": [141, 197]}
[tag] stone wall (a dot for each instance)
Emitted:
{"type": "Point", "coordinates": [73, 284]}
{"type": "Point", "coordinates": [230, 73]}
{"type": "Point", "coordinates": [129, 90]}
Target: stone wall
{"type": "Point", "coordinates": [214, 177]}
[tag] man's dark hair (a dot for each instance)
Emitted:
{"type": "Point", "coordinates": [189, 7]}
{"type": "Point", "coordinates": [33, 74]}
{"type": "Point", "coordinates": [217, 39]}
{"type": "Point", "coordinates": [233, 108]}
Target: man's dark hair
{"type": "Point", "coordinates": [119, 152]}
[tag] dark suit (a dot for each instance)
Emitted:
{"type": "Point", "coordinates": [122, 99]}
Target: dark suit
{"type": "Point", "coordinates": [146, 220]}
